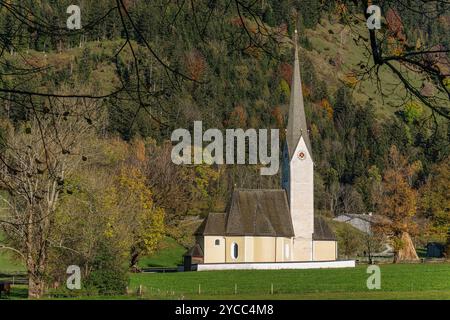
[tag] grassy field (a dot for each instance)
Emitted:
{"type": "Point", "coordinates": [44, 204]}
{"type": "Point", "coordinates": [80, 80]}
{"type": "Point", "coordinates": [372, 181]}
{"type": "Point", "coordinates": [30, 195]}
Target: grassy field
{"type": "Point", "coordinates": [405, 281]}
{"type": "Point", "coordinates": [9, 265]}
{"type": "Point", "coordinates": [169, 254]}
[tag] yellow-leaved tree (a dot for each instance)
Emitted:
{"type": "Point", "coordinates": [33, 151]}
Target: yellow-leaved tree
{"type": "Point", "coordinates": [435, 202]}
{"type": "Point", "coordinates": [134, 220]}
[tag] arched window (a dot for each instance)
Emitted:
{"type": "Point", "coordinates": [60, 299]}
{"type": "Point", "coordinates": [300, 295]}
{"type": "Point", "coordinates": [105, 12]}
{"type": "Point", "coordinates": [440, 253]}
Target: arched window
{"type": "Point", "coordinates": [234, 251]}
{"type": "Point", "coordinates": [217, 242]}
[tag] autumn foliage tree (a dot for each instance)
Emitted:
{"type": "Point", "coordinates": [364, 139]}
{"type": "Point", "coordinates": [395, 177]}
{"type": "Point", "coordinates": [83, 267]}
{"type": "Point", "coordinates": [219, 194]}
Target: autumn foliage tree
{"type": "Point", "coordinates": [397, 205]}
{"type": "Point", "coordinates": [395, 25]}
{"type": "Point", "coordinates": [108, 217]}
{"type": "Point", "coordinates": [138, 219]}
{"type": "Point", "coordinates": [37, 160]}
{"type": "Point", "coordinates": [135, 219]}
{"type": "Point", "coordinates": [285, 71]}
{"type": "Point", "coordinates": [435, 201]}
{"type": "Point", "coordinates": [195, 65]}
{"type": "Point", "coordinates": [238, 117]}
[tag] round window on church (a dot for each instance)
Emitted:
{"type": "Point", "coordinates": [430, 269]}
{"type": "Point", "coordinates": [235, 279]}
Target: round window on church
{"type": "Point", "coordinates": [302, 155]}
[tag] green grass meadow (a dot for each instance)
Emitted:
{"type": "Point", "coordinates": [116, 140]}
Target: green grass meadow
{"type": "Point", "coordinates": [398, 281]}
{"type": "Point", "coordinates": [8, 265]}
{"type": "Point", "coordinates": [402, 281]}
{"type": "Point", "coordinates": [169, 254]}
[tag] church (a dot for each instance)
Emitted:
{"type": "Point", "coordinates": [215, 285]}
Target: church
{"type": "Point", "coordinates": [272, 226]}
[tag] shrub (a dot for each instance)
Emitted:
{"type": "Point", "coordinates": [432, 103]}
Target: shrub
{"type": "Point", "coordinates": [110, 275]}
{"type": "Point", "coordinates": [350, 240]}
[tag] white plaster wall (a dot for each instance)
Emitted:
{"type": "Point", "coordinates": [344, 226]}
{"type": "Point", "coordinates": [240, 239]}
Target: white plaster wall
{"type": "Point", "coordinates": [302, 249]}
{"type": "Point", "coordinates": [281, 245]}
{"type": "Point", "coordinates": [264, 249]}
{"type": "Point", "coordinates": [277, 266]}
{"type": "Point", "coordinates": [325, 250]}
{"type": "Point", "coordinates": [288, 242]}
{"type": "Point", "coordinates": [279, 250]}
{"type": "Point", "coordinates": [213, 253]}
{"type": "Point", "coordinates": [249, 249]}
{"type": "Point", "coordinates": [302, 195]}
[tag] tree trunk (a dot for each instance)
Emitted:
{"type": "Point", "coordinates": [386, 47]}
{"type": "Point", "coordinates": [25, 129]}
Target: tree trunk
{"type": "Point", "coordinates": [396, 258]}
{"type": "Point", "coordinates": [36, 276]}
{"type": "Point", "coordinates": [134, 259]}
{"type": "Point", "coordinates": [36, 258]}
{"type": "Point", "coordinates": [36, 286]}
{"type": "Point", "coordinates": [369, 251]}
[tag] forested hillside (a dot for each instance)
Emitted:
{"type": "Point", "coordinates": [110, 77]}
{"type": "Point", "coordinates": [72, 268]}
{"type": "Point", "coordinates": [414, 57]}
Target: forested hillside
{"type": "Point", "coordinates": [87, 116]}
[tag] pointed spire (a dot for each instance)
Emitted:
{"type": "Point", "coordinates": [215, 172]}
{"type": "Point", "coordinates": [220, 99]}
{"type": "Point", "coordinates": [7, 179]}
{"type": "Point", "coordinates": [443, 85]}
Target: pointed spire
{"type": "Point", "coordinates": [297, 120]}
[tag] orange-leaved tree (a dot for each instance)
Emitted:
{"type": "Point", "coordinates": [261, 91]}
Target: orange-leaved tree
{"type": "Point", "coordinates": [397, 205]}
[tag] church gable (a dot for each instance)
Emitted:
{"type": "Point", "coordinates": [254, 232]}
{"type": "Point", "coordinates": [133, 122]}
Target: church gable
{"type": "Point", "coordinates": [213, 225]}
{"type": "Point", "coordinates": [259, 213]}
{"type": "Point", "coordinates": [252, 213]}
{"type": "Point", "coordinates": [301, 153]}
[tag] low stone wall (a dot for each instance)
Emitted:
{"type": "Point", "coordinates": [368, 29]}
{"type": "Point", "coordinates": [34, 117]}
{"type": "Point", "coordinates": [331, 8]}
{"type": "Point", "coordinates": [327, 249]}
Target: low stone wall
{"type": "Point", "coordinates": [277, 265]}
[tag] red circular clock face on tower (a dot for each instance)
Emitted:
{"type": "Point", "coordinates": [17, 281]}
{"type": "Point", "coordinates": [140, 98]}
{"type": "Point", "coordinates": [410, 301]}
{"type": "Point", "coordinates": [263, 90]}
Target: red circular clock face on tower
{"type": "Point", "coordinates": [301, 155]}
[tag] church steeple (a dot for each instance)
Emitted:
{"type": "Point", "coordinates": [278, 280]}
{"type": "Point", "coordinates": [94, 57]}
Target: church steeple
{"type": "Point", "coordinates": [297, 120]}
{"type": "Point", "coordinates": [298, 169]}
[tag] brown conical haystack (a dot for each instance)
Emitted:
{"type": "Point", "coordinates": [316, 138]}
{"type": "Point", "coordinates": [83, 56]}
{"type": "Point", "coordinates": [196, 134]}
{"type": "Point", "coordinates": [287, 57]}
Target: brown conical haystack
{"type": "Point", "coordinates": [408, 251]}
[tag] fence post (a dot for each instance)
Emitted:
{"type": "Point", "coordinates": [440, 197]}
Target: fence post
{"type": "Point", "coordinates": [271, 289]}
{"type": "Point", "coordinates": [199, 289]}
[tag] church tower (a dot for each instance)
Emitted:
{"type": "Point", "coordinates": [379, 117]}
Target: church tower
{"type": "Point", "coordinates": [298, 169]}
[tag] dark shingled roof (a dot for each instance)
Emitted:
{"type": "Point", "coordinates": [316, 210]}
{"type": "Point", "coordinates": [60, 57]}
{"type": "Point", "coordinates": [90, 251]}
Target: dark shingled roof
{"type": "Point", "coordinates": [258, 213]}
{"type": "Point", "coordinates": [322, 230]}
{"type": "Point", "coordinates": [252, 213]}
{"type": "Point", "coordinates": [213, 225]}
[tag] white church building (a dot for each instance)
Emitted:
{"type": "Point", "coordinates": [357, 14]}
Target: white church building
{"type": "Point", "coordinates": [273, 229]}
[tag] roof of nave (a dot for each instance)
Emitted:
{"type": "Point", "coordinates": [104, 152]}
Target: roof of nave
{"type": "Point", "coordinates": [259, 212]}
